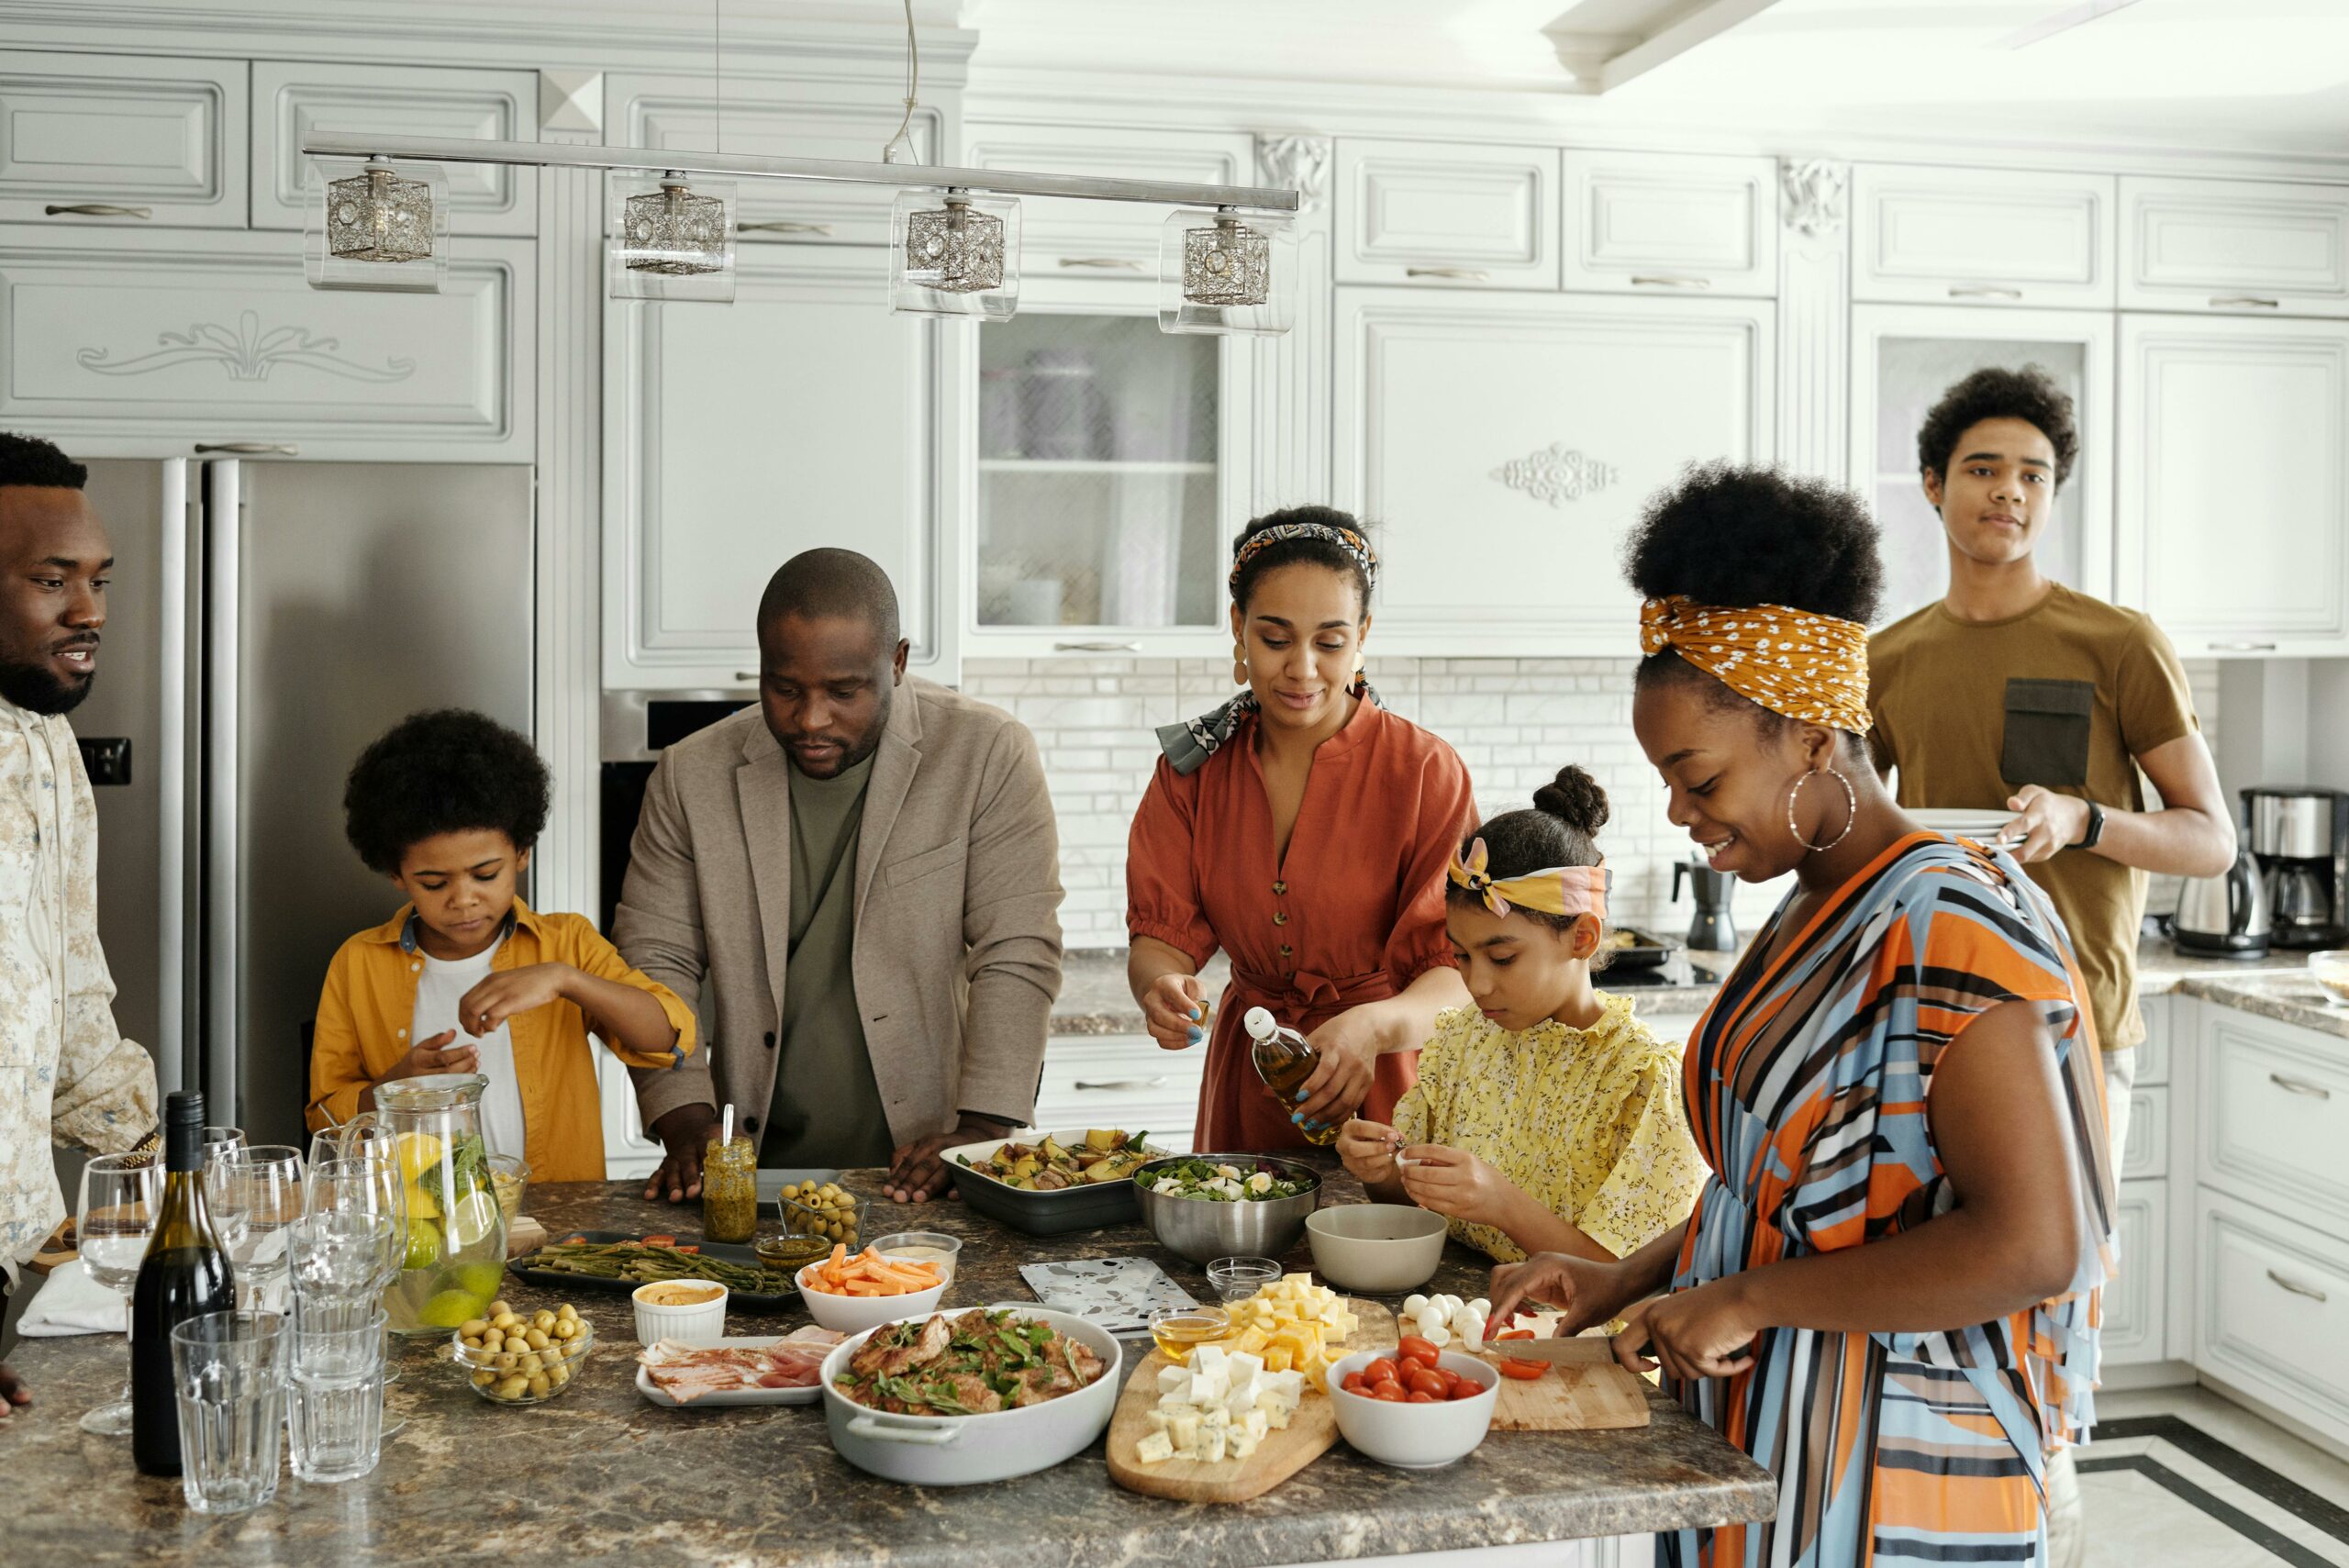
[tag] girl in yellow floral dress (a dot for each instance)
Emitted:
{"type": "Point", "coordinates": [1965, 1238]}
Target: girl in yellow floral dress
{"type": "Point", "coordinates": [1546, 1118]}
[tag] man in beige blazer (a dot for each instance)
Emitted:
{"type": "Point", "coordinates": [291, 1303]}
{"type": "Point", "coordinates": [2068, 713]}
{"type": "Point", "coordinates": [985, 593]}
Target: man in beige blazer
{"type": "Point", "coordinates": [865, 869]}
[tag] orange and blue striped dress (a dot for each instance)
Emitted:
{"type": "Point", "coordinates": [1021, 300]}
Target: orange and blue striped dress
{"type": "Point", "coordinates": [1807, 1085]}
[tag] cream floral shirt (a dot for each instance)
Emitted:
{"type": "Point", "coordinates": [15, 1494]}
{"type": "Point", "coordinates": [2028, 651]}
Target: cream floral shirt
{"type": "Point", "coordinates": [66, 1073]}
{"type": "Point", "coordinates": [1590, 1123]}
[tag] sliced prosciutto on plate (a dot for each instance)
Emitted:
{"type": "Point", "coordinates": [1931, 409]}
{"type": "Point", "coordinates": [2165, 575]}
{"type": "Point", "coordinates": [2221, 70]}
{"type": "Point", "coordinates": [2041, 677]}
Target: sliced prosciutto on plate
{"type": "Point", "coordinates": [687, 1373]}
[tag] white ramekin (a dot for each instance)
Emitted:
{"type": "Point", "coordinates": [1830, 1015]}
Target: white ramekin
{"type": "Point", "coordinates": [702, 1324]}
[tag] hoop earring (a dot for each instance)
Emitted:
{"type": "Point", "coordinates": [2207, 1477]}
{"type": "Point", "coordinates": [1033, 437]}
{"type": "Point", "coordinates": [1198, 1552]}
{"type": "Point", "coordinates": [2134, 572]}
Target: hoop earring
{"type": "Point", "coordinates": [1851, 809]}
{"type": "Point", "coordinates": [1238, 665]}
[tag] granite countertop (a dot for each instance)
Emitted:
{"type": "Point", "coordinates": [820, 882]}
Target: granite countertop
{"type": "Point", "coordinates": [599, 1475]}
{"type": "Point", "coordinates": [2276, 986]}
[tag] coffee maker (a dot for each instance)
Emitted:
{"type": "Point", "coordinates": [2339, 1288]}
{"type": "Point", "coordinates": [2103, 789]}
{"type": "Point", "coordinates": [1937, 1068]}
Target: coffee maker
{"type": "Point", "coordinates": [1712, 930]}
{"type": "Point", "coordinates": [2301, 839]}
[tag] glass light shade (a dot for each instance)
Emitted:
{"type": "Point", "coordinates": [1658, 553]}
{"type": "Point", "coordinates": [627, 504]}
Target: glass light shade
{"type": "Point", "coordinates": [670, 239]}
{"type": "Point", "coordinates": [374, 224]}
{"type": "Point", "coordinates": [954, 254]}
{"type": "Point", "coordinates": [1227, 272]}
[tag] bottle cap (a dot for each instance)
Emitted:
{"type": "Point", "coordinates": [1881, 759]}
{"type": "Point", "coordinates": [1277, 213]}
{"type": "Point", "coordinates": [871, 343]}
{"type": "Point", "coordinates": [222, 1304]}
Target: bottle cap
{"type": "Point", "coordinates": [1261, 1024]}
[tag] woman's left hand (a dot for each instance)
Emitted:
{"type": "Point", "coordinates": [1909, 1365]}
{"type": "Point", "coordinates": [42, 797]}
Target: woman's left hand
{"type": "Point", "coordinates": [1455, 1184]}
{"type": "Point", "coordinates": [1349, 1047]}
{"type": "Point", "coordinates": [1704, 1331]}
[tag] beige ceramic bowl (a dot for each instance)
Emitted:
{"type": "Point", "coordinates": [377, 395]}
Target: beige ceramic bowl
{"type": "Point", "coordinates": [1378, 1249]}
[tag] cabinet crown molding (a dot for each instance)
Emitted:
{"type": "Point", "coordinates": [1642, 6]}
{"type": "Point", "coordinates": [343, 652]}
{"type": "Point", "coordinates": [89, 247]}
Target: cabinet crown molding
{"type": "Point", "coordinates": [1301, 163]}
{"type": "Point", "coordinates": [1816, 190]}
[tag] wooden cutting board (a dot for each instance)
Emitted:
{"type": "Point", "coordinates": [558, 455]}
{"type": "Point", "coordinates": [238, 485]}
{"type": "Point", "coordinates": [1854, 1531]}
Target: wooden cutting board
{"type": "Point", "coordinates": [1309, 1434]}
{"type": "Point", "coordinates": [1590, 1394]}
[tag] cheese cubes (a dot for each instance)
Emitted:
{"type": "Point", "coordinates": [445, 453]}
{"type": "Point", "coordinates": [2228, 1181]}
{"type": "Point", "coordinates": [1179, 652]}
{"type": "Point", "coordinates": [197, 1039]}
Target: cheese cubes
{"type": "Point", "coordinates": [1219, 1406]}
{"type": "Point", "coordinates": [1292, 1324]}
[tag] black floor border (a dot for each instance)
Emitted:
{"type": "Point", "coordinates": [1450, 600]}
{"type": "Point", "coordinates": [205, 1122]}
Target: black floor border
{"type": "Point", "coordinates": [2247, 1472]}
{"type": "Point", "coordinates": [2266, 1537]}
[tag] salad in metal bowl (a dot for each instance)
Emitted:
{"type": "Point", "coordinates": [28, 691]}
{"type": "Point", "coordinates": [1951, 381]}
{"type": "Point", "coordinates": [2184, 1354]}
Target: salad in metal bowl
{"type": "Point", "coordinates": [1223, 1181]}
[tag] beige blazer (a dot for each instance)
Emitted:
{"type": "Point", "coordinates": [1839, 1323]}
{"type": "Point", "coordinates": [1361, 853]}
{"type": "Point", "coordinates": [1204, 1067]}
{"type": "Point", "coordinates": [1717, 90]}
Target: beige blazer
{"type": "Point", "coordinates": [958, 940]}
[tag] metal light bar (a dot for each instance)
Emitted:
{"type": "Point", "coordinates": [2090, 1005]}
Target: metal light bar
{"type": "Point", "coordinates": [836, 171]}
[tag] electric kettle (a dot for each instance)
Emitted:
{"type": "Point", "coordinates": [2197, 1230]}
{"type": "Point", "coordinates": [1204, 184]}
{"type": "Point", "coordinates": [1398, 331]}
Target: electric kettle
{"type": "Point", "coordinates": [2226, 915]}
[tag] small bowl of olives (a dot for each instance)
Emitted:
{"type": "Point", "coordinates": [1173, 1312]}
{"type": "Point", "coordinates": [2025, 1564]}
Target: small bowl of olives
{"type": "Point", "coordinates": [826, 1210]}
{"type": "Point", "coordinates": [513, 1358]}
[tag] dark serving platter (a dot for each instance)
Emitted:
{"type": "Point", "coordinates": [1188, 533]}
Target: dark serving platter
{"type": "Point", "coordinates": [725, 1252]}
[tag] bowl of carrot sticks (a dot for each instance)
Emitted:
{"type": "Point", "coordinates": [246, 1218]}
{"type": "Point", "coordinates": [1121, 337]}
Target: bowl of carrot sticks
{"type": "Point", "coordinates": [850, 1293]}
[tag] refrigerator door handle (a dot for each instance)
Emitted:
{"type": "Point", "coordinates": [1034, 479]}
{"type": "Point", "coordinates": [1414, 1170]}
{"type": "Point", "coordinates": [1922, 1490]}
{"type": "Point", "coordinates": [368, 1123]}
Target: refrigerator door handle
{"type": "Point", "coordinates": [223, 530]}
{"type": "Point", "coordinates": [175, 1055]}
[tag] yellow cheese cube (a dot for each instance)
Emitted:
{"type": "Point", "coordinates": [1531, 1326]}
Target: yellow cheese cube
{"type": "Point", "coordinates": [1277, 1359]}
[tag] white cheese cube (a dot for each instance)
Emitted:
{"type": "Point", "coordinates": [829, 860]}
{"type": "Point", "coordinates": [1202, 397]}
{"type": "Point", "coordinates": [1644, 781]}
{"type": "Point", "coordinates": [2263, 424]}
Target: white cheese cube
{"type": "Point", "coordinates": [1155, 1449]}
{"type": "Point", "coordinates": [1242, 1397]}
{"type": "Point", "coordinates": [1185, 1434]}
{"type": "Point", "coordinates": [1243, 1446]}
{"type": "Point", "coordinates": [1240, 1364]}
{"type": "Point", "coordinates": [1210, 1387]}
{"type": "Point", "coordinates": [1210, 1356]}
{"type": "Point", "coordinates": [1176, 1401]}
{"type": "Point", "coordinates": [1171, 1378]}
{"type": "Point", "coordinates": [1254, 1424]}
{"type": "Point", "coordinates": [1158, 1420]}
{"type": "Point", "coordinates": [1278, 1416]}
{"type": "Point", "coordinates": [1288, 1388]}
{"type": "Point", "coordinates": [1214, 1419]}
{"type": "Point", "coordinates": [1214, 1444]}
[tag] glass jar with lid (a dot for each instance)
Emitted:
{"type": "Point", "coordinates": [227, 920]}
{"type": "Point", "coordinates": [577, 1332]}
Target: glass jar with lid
{"type": "Point", "coordinates": [730, 1190]}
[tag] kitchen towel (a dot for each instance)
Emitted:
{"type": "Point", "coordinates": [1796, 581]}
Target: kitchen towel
{"type": "Point", "coordinates": [1118, 1294]}
{"type": "Point", "coordinates": [73, 1303]}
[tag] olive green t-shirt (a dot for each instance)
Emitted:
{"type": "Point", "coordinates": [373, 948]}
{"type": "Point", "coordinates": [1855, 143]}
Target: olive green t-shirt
{"type": "Point", "coordinates": [2066, 695]}
{"type": "Point", "coordinates": [826, 1109]}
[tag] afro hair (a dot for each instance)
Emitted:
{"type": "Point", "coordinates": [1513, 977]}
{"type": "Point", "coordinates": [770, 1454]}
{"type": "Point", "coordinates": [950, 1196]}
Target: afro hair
{"type": "Point", "coordinates": [2029, 394]}
{"type": "Point", "coordinates": [445, 771]}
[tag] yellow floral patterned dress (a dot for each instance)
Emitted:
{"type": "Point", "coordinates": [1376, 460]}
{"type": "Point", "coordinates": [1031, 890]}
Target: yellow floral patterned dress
{"type": "Point", "coordinates": [1590, 1123]}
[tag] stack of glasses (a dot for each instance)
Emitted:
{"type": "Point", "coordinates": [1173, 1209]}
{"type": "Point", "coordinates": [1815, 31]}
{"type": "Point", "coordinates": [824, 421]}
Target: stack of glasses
{"type": "Point", "coordinates": [342, 1260]}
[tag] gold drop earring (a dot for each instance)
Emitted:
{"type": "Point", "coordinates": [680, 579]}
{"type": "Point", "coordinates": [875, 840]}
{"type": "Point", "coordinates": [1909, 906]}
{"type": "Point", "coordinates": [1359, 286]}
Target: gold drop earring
{"type": "Point", "coordinates": [1238, 665]}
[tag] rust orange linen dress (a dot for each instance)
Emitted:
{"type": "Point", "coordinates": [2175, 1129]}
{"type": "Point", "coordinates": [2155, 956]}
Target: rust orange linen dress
{"type": "Point", "coordinates": [1352, 914]}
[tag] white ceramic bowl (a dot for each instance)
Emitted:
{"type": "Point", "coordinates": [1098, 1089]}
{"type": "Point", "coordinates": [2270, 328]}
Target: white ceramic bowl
{"type": "Point", "coordinates": [913, 1244]}
{"type": "Point", "coordinates": [1415, 1437]}
{"type": "Point", "coordinates": [2330, 969]}
{"type": "Point", "coordinates": [855, 1314]}
{"type": "Point", "coordinates": [1378, 1249]}
{"type": "Point", "coordinates": [703, 1323]}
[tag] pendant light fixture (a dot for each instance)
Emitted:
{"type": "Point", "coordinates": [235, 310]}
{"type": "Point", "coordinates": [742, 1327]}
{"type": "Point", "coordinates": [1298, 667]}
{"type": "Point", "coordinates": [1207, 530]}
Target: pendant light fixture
{"type": "Point", "coordinates": [670, 239]}
{"type": "Point", "coordinates": [374, 224]}
{"type": "Point", "coordinates": [955, 254]}
{"type": "Point", "coordinates": [1221, 272]}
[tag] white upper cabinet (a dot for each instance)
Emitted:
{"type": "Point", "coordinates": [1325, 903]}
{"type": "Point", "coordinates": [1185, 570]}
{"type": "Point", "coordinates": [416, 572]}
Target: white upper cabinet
{"type": "Point", "coordinates": [294, 100]}
{"type": "Point", "coordinates": [119, 138]}
{"type": "Point", "coordinates": [1104, 241]}
{"type": "Point", "coordinates": [1447, 214]}
{"type": "Point", "coordinates": [735, 437]}
{"type": "Point", "coordinates": [1661, 223]}
{"type": "Point", "coordinates": [1986, 236]}
{"type": "Point", "coordinates": [1503, 444]}
{"type": "Point", "coordinates": [2232, 246]}
{"type": "Point", "coordinates": [799, 119]}
{"type": "Point", "coordinates": [2233, 472]}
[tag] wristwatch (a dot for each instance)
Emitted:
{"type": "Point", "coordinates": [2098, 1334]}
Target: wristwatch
{"type": "Point", "coordinates": [2095, 829]}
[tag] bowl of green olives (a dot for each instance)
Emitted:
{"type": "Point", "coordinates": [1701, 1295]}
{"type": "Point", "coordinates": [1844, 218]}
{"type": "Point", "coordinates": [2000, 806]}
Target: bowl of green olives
{"type": "Point", "coordinates": [514, 1357]}
{"type": "Point", "coordinates": [826, 1210]}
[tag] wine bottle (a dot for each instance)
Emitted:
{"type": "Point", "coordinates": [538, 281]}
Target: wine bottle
{"type": "Point", "coordinates": [185, 1275]}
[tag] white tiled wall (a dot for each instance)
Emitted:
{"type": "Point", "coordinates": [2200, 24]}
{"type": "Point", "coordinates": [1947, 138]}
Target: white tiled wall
{"type": "Point", "coordinates": [1514, 721]}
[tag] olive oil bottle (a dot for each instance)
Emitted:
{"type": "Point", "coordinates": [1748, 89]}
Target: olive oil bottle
{"type": "Point", "coordinates": [1285, 1059]}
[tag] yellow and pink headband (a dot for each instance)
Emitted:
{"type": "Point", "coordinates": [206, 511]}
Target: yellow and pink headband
{"type": "Point", "coordinates": [1559, 890]}
{"type": "Point", "coordinates": [1805, 666]}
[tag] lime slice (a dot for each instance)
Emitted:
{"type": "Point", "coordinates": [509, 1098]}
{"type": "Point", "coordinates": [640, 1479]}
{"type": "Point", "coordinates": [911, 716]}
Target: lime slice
{"type": "Point", "coordinates": [473, 1218]}
{"type": "Point", "coordinates": [449, 1308]}
{"type": "Point", "coordinates": [423, 1245]}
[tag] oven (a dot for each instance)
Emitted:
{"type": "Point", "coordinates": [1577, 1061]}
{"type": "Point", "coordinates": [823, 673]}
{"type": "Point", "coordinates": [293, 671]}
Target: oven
{"type": "Point", "coordinates": [637, 727]}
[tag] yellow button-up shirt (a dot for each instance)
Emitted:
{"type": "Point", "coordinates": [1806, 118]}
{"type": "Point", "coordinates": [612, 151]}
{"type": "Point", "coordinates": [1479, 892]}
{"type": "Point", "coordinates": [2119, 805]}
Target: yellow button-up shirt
{"type": "Point", "coordinates": [370, 1000]}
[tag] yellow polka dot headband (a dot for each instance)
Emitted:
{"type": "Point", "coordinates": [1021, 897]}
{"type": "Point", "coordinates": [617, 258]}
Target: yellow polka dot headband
{"type": "Point", "coordinates": [1559, 890]}
{"type": "Point", "coordinates": [1805, 666]}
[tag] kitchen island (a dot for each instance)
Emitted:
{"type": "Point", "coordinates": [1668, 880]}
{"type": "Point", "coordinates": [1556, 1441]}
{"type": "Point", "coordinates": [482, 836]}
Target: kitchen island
{"type": "Point", "coordinates": [599, 1475]}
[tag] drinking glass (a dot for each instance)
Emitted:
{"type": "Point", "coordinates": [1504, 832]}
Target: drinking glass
{"type": "Point", "coordinates": [228, 1372]}
{"type": "Point", "coordinates": [254, 1193]}
{"type": "Point", "coordinates": [369, 1183]}
{"type": "Point", "coordinates": [337, 1259]}
{"type": "Point", "coordinates": [116, 1217]}
{"type": "Point", "coordinates": [334, 1411]}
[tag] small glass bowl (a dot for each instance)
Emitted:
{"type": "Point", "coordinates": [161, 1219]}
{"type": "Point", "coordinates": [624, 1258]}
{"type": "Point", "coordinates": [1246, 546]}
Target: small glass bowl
{"type": "Point", "coordinates": [924, 1241]}
{"type": "Point", "coordinates": [1237, 1279]}
{"type": "Point", "coordinates": [502, 1366]}
{"type": "Point", "coordinates": [801, 1220]}
{"type": "Point", "coordinates": [1179, 1331]}
{"type": "Point", "coordinates": [508, 1175]}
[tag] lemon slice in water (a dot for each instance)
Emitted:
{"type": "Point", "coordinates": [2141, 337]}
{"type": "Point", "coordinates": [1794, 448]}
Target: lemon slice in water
{"type": "Point", "coordinates": [474, 1217]}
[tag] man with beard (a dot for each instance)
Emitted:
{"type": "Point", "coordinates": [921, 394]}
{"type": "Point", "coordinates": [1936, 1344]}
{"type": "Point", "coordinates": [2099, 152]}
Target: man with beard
{"type": "Point", "coordinates": [865, 869]}
{"type": "Point", "coordinates": [66, 1073]}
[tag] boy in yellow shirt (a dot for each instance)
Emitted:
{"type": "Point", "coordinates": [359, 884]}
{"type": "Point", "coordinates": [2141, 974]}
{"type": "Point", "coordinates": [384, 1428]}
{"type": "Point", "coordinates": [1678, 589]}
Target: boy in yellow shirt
{"type": "Point", "coordinates": [466, 977]}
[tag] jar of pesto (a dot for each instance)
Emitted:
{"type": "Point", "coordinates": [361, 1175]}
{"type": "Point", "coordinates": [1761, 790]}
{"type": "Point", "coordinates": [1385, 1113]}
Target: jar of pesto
{"type": "Point", "coordinates": [730, 1190]}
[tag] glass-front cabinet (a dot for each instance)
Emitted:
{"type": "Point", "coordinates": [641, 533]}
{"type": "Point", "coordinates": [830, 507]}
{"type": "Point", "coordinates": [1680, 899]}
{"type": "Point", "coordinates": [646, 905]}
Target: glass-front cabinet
{"type": "Point", "coordinates": [1103, 500]}
{"type": "Point", "coordinates": [1903, 358]}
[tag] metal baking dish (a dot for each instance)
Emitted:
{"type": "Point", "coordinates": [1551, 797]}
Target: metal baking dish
{"type": "Point", "coordinates": [1086, 1207]}
{"type": "Point", "coordinates": [1647, 951]}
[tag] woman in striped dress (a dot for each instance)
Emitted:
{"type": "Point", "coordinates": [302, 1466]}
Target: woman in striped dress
{"type": "Point", "coordinates": [1887, 1292]}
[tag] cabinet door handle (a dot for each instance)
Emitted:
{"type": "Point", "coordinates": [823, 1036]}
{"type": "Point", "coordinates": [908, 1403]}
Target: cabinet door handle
{"type": "Point", "coordinates": [782, 225]}
{"type": "Point", "coordinates": [97, 209]}
{"type": "Point", "coordinates": [1109, 263]}
{"type": "Point", "coordinates": [2245, 301]}
{"type": "Point", "coordinates": [1468, 274]}
{"type": "Point", "coordinates": [2243, 648]}
{"type": "Point", "coordinates": [2296, 1287]}
{"type": "Point", "coordinates": [1665, 282]}
{"type": "Point", "coordinates": [1122, 1084]}
{"type": "Point", "coordinates": [1983, 291]}
{"type": "Point", "coordinates": [746, 675]}
{"type": "Point", "coordinates": [1097, 647]}
{"type": "Point", "coordinates": [251, 449]}
{"type": "Point", "coordinates": [2300, 1087]}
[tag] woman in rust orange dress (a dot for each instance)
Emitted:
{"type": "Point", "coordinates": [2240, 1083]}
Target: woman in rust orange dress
{"type": "Point", "coordinates": [1303, 830]}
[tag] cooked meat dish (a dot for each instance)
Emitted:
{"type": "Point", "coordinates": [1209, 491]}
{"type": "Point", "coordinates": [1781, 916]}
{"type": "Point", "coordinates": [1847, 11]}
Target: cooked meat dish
{"type": "Point", "coordinates": [969, 1366]}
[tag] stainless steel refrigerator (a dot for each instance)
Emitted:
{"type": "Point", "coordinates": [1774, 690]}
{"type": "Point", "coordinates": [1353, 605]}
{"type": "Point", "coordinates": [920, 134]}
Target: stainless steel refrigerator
{"type": "Point", "coordinates": [266, 620]}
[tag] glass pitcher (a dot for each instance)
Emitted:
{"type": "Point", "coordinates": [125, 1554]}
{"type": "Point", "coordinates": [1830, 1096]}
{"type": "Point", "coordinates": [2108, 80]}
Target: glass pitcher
{"type": "Point", "coordinates": [456, 1229]}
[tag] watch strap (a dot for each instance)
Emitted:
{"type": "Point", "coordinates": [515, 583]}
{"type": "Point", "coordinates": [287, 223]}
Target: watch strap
{"type": "Point", "coordinates": [2095, 833]}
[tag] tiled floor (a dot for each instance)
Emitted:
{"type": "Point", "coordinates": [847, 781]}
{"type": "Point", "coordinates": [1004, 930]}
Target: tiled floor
{"type": "Point", "coordinates": [2223, 1490]}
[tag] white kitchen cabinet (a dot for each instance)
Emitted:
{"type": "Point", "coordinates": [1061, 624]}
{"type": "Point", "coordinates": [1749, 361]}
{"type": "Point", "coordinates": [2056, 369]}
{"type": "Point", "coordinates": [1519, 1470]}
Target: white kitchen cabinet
{"type": "Point", "coordinates": [2274, 1116]}
{"type": "Point", "coordinates": [629, 1152]}
{"type": "Point", "coordinates": [125, 343]}
{"type": "Point", "coordinates": [802, 119]}
{"type": "Point", "coordinates": [1126, 1082]}
{"type": "Point", "coordinates": [1665, 223]}
{"type": "Point", "coordinates": [1110, 243]}
{"type": "Point", "coordinates": [1925, 235]}
{"type": "Point", "coordinates": [2234, 476]}
{"type": "Point", "coordinates": [293, 100]}
{"type": "Point", "coordinates": [122, 139]}
{"type": "Point", "coordinates": [1903, 358]}
{"type": "Point", "coordinates": [2234, 247]}
{"type": "Point", "coordinates": [1503, 445]}
{"type": "Point", "coordinates": [1447, 215]}
{"type": "Point", "coordinates": [2272, 1314]}
{"type": "Point", "coordinates": [735, 437]}
{"type": "Point", "coordinates": [2135, 1302]}
{"type": "Point", "coordinates": [2147, 1156]}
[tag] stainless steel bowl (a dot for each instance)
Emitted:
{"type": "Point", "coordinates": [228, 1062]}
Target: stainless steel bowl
{"type": "Point", "coordinates": [1203, 1230]}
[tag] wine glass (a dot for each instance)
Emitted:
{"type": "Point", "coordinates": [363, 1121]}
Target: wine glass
{"type": "Point", "coordinates": [219, 1139]}
{"type": "Point", "coordinates": [254, 1193]}
{"type": "Point", "coordinates": [116, 1217]}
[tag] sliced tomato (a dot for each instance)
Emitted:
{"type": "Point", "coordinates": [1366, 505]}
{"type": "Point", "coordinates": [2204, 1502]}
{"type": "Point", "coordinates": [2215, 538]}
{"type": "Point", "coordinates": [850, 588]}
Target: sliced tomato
{"type": "Point", "coordinates": [1411, 1347]}
{"type": "Point", "coordinates": [1381, 1371]}
{"type": "Point", "coordinates": [1389, 1392]}
{"type": "Point", "coordinates": [659, 1240]}
{"type": "Point", "coordinates": [1523, 1370]}
{"type": "Point", "coordinates": [1514, 1334]}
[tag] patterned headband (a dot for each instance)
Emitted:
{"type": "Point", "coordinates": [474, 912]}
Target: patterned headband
{"type": "Point", "coordinates": [1805, 666]}
{"type": "Point", "coordinates": [1560, 890]}
{"type": "Point", "coordinates": [1357, 548]}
